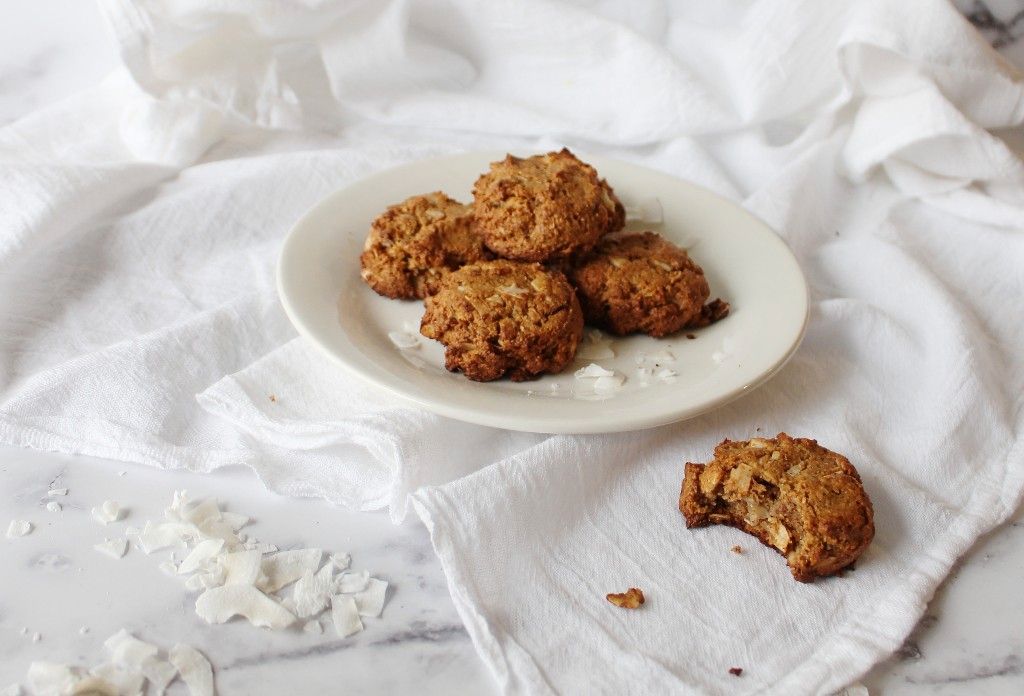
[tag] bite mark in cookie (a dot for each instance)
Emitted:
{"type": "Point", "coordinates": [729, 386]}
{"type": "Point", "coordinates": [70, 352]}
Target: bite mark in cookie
{"type": "Point", "coordinates": [544, 208]}
{"type": "Point", "coordinates": [795, 496]}
{"type": "Point", "coordinates": [639, 282]}
{"type": "Point", "coordinates": [504, 318]}
{"type": "Point", "coordinates": [414, 244]}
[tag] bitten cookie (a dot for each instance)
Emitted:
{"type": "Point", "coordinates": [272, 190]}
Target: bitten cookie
{"type": "Point", "coordinates": [414, 244]}
{"type": "Point", "coordinates": [498, 318]}
{"type": "Point", "coordinates": [794, 495]}
{"type": "Point", "coordinates": [544, 208]}
{"type": "Point", "coordinates": [642, 283]}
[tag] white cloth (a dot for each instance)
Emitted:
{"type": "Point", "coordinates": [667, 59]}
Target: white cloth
{"type": "Point", "coordinates": [139, 225]}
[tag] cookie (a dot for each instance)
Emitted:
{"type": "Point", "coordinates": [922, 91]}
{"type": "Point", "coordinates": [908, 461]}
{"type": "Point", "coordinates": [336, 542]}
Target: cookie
{"type": "Point", "coordinates": [795, 496]}
{"type": "Point", "coordinates": [544, 208]}
{"type": "Point", "coordinates": [642, 283]}
{"type": "Point", "coordinates": [504, 318]}
{"type": "Point", "coordinates": [414, 244]}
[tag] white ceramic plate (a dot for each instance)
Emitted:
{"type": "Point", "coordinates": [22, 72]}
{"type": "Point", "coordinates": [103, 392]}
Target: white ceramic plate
{"type": "Point", "coordinates": [745, 262]}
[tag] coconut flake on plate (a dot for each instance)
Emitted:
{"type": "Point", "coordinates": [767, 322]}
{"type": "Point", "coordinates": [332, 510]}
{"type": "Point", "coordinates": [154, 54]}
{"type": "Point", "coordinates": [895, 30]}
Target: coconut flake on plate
{"type": "Point", "coordinates": [647, 210]}
{"type": "Point", "coordinates": [218, 604]}
{"type": "Point", "coordinates": [345, 616]}
{"type": "Point", "coordinates": [194, 668]}
{"type": "Point", "coordinates": [608, 385]}
{"type": "Point", "coordinates": [666, 375]}
{"type": "Point", "coordinates": [18, 528]}
{"type": "Point", "coordinates": [115, 548]}
{"type": "Point", "coordinates": [404, 340]}
{"type": "Point", "coordinates": [593, 370]}
{"type": "Point", "coordinates": [109, 511]}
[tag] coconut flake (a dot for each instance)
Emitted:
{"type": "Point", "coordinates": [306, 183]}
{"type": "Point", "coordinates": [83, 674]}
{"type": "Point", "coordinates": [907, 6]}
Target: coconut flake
{"type": "Point", "coordinates": [115, 548]}
{"type": "Point", "coordinates": [36, 637]}
{"type": "Point", "coordinates": [57, 491]}
{"type": "Point", "coordinates": [666, 376]}
{"type": "Point", "coordinates": [106, 513]}
{"type": "Point", "coordinates": [50, 678]}
{"type": "Point", "coordinates": [646, 210]}
{"type": "Point", "coordinates": [203, 552]}
{"type": "Point", "coordinates": [346, 583]}
{"type": "Point", "coordinates": [341, 561]}
{"type": "Point", "coordinates": [403, 339]}
{"type": "Point", "coordinates": [662, 357]}
{"type": "Point", "coordinates": [53, 507]}
{"type": "Point", "coordinates": [194, 668]}
{"type": "Point", "coordinates": [234, 520]}
{"type": "Point", "coordinates": [218, 604]}
{"type": "Point", "coordinates": [83, 630]}
{"type": "Point", "coordinates": [18, 528]}
{"type": "Point", "coordinates": [345, 615]}
{"type": "Point", "coordinates": [159, 672]}
{"type": "Point", "coordinates": [370, 602]}
{"type": "Point", "coordinates": [606, 385]}
{"type": "Point", "coordinates": [127, 651]}
{"type": "Point", "coordinates": [591, 371]}
{"type": "Point", "coordinates": [155, 537]}
{"type": "Point", "coordinates": [111, 680]}
{"type": "Point", "coordinates": [313, 592]}
{"type": "Point", "coordinates": [285, 567]}
{"type": "Point", "coordinates": [240, 567]}
{"type": "Point", "coordinates": [313, 626]}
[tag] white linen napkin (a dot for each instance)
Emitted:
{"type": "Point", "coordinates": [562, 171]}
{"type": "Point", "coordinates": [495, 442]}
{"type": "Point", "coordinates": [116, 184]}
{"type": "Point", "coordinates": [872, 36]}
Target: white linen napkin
{"type": "Point", "coordinates": [139, 226]}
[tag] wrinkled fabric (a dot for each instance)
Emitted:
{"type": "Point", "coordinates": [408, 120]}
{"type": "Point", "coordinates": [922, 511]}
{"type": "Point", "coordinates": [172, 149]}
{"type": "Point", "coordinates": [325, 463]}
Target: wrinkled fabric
{"type": "Point", "coordinates": [140, 222]}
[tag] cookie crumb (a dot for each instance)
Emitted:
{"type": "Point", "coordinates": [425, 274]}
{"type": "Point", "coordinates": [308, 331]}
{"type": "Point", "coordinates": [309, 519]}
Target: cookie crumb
{"type": "Point", "coordinates": [691, 336]}
{"type": "Point", "coordinates": [273, 398]}
{"type": "Point", "coordinates": [630, 599]}
{"type": "Point", "coordinates": [737, 549]}
{"type": "Point", "coordinates": [735, 671]}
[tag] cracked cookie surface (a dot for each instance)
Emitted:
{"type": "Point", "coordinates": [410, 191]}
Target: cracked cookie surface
{"type": "Point", "coordinates": [504, 318]}
{"type": "Point", "coordinates": [544, 208]}
{"type": "Point", "coordinates": [639, 282]}
{"type": "Point", "coordinates": [794, 495]}
{"type": "Point", "coordinates": [414, 244]}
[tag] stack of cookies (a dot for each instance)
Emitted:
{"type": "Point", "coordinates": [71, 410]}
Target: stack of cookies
{"type": "Point", "coordinates": [509, 280]}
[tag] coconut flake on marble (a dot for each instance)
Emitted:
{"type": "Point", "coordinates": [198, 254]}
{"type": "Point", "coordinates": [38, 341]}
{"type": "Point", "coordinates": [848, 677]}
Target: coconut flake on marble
{"type": "Point", "coordinates": [18, 528]}
{"type": "Point", "coordinates": [341, 561]}
{"type": "Point", "coordinates": [50, 678]}
{"type": "Point", "coordinates": [345, 616]}
{"type": "Point", "coordinates": [347, 583]}
{"type": "Point", "coordinates": [194, 668]}
{"type": "Point", "coordinates": [53, 506]}
{"type": "Point", "coordinates": [285, 567]}
{"type": "Point", "coordinates": [313, 592]}
{"type": "Point", "coordinates": [218, 604]}
{"type": "Point", "coordinates": [115, 548]}
{"type": "Point", "coordinates": [109, 511]}
{"type": "Point", "coordinates": [57, 491]}
{"type": "Point", "coordinates": [111, 680]}
{"type": "Point", "coordinates": [370, 601]}
{"type": "Point", "coordinates": [203, 552]}
{"type": "Point", "coordinates": [313, 626]}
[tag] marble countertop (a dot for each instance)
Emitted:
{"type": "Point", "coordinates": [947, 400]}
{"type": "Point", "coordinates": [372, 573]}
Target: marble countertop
{"type": "Point", "coordinates": [53, 583]}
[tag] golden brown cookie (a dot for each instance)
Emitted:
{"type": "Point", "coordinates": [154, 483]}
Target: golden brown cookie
{"type": "Point", "coordinates": [500, 318]}
{"type": "Point", "coordinates": [794, 495]}
{"type": "Point", "coordinates": [639, 282]}
{"type": "Point", "coordinates": [544, 208]}
{"type": "Point", "coordinates": [414, 244]}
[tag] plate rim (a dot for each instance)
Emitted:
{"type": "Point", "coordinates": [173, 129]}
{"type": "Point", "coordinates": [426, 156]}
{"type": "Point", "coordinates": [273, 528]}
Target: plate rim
{"type": "Point", "coordinates": [622, 422]}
